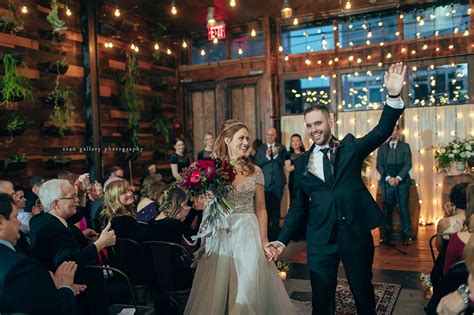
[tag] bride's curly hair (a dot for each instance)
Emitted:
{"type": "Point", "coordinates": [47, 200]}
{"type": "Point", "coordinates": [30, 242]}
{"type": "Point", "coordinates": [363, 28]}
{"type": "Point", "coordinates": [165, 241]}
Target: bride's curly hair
{"type": "Point", "coordinates": [229, 128]}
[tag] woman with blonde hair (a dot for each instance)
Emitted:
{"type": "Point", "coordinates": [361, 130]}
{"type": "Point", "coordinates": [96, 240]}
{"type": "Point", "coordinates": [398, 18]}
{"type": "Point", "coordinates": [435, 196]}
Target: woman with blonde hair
{"type": "Point", "coordinates": [119, 209]}
{"type": "Point", "coordinates": [233, 275]}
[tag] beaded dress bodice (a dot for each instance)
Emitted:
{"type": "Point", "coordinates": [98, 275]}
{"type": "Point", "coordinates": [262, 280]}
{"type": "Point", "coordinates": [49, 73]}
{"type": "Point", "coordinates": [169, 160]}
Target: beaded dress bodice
{"type": "Point", "coordinates": [243, 194]}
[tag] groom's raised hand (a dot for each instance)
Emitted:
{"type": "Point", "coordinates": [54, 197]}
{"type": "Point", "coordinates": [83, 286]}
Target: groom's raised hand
{"type": "Point", "coordinates": [273, 250]}
{"type": "Point", "coordinates": [394, 77]}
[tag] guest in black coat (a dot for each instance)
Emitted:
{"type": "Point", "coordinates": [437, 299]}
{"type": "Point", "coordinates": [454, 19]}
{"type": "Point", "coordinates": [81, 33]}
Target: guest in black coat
{"type": "Point", "coordinates": [53, 239]}
{"type": "Point", "coordinates": [24, 285]}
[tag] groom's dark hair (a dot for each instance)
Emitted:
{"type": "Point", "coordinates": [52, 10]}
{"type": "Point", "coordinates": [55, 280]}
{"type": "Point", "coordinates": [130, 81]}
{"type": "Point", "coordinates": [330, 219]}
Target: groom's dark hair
{"type": "Point", "coordinates": [314, 108]}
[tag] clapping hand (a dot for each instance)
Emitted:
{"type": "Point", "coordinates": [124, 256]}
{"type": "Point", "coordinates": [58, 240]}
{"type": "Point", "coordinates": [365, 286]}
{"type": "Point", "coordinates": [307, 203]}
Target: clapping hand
{"type": "Point", "coordinates": [64, 276]}
{"type": "Point", "coordinates": [394, 77]}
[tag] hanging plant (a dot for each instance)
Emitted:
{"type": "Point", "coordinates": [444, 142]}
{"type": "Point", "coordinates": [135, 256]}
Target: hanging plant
{"type": "Point", "coordinates": [132, 102]}
{"type": "Point", "coordinates": [59, 96]}
{"type": "Point", "coordinates": [160, 123]}
{"type": "Point", "coordinates": [59, 161]}
{"type": "Point", "coordinates": [58, 67]}
{"type": "Point", "coordinates": [10, 22]}
{"type": "Point", "coordinates": [14, 126]}
{"type": "Point", "coordinates": [15, 162]}
{"type": "Point", "coordinates": [59, 28]}
{"type": "Point", "coordinates": [63, 114]}
{"type": "Point", "coordinates": [15, 87]}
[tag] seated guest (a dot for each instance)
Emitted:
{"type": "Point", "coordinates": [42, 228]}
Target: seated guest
{"type": "Point", "coordinates": [119, 210]}
{"type": "Point", "coordinates": [24, 285]}
{"type": "Point", "coordinates": [53, 239]}
{"type": "Point", "coordinates": [208, 146]}
{"type": "Point", "coordinates": [32, 195]}
{"type": "Point", "coordinates": [168, 226]}
{"type": "Point", "coordinates": [458, 240]}
{"type": "Point", "coordinates": [22, 245]}
{"type": "Point", "coordinates": [149, 169]}
{"type": "Point", "coordinates": [23, 216]}
{"type": "Point", "coordinates": [461, 300]}
{"type": "Point", "coordinates": [147, 208]}
{"type": "Point", "coordinates": [454, 214]}
{"type": "Point", "coordinates": [115, 173]}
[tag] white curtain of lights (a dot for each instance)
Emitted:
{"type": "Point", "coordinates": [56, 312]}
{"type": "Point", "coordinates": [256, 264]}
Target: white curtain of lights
{"type": "Point", "coordinates": [424, 127]}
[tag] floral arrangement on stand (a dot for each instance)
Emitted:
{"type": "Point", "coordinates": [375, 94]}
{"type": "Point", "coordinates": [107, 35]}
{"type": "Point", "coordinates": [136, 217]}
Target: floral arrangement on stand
{"type": "Point", "coordinates": [457, 151]}
{"type": "Point", "coordinates": [210, 179]}
{"type": "Point", "coordinates": [283, 269]}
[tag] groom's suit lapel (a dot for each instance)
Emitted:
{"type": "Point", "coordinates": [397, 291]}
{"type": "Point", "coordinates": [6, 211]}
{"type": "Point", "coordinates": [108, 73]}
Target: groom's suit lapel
{"type": "Point", "coordinates": [342, 159]}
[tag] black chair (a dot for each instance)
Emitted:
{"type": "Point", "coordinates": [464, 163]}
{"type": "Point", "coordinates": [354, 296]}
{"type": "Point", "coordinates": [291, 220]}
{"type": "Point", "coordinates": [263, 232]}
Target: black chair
{"type": "Point", "coordinates": [432, 238]}
{"type": "Point", "coordinates": [127, 256]}
{"type": "Point", "coordinates": [109, 291]}
{"type": "Point", "coordinates": [172, 274]}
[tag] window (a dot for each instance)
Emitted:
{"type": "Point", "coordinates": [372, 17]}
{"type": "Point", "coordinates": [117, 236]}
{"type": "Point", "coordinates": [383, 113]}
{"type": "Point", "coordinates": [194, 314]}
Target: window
{"type": "Point", "coordinates": [436, 21]}
{"type": "Point", "coordinates": [302, 93]}
{"type": "Point", "coordinates": [212, 52]}
{"type": "Point", "coordinates": [373, 30]}
{"type": "Point", "coordinates": [362, 91]}
{"type": "Point", "coordinates": [244, 45]}
{"type": "Point", "coordinates": [439, 85]}
{"type": "Point", "coordinates": [309, 38]}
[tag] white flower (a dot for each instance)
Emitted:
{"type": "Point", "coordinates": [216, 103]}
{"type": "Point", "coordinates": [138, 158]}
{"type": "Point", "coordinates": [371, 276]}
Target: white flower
{"type": "Point", "coordinates": [463, 154]}
{"type": "Point", "coordinates": [468, 154]}
{"type": "Point", "coordinates": [443, 151]}
{"type": "Point", "coordinates": [468, 147]}
{"type": "Point", "coordinates": [455, 151]}
{"type": "Point", "coordinates": [451, 155]}
{"type": "Point", "coordinates": [456, 146]}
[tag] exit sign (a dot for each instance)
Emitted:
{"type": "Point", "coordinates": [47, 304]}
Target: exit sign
{"type": "Point", "coordinates": [217, 31]}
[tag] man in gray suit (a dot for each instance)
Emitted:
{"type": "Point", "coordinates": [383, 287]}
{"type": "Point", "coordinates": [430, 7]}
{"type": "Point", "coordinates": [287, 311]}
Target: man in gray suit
{"type": "Point", "coordinates": [270, 157]}
{"type": "Point", "coordinates": [393, 164]}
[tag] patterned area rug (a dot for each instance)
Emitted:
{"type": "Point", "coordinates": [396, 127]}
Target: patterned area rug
{"type": "Point", "coordinates": [386, 295]}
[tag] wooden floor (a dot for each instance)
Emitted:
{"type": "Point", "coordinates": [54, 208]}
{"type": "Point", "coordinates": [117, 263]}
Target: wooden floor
{"type": "Point", "coordinates": [418, 256]}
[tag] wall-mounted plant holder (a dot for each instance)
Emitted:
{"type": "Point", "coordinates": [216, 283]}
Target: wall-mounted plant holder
{"type": "Point", "coordinates": [59, 161]}
{"type": "Point", "coordinates": [15, 162]}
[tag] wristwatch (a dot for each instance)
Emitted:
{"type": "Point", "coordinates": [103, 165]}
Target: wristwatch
{"type": "Point", "coordinates": [463, 290]}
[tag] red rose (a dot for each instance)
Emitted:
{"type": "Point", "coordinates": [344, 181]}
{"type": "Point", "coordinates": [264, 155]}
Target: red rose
{"type": "Point", "coordinates": [196, 177]}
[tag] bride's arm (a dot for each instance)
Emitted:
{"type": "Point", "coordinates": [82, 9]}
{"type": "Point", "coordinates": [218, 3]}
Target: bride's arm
{"type": "Point", "coordinates": [261, 211]}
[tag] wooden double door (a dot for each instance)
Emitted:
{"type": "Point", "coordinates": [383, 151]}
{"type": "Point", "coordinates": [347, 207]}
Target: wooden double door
{"type": "Point", "coordinates": [208, 105]}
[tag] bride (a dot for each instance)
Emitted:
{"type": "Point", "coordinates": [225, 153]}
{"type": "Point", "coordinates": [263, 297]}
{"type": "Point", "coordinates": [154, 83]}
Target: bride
{"type": "Point", "coordinates": [235, 276]}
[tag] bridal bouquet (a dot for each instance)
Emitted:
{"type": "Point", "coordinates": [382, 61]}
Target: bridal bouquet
{"type": "Point", "coordinates": [210, 179]}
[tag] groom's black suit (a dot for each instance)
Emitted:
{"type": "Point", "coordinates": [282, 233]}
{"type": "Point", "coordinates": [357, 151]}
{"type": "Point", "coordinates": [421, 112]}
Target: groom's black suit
{"type": "Point", "coordinates": [339, 218]}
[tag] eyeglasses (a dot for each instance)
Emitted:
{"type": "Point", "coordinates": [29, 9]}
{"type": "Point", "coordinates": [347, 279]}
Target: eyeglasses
{"type": "Point", "coordinates": [68, 198]}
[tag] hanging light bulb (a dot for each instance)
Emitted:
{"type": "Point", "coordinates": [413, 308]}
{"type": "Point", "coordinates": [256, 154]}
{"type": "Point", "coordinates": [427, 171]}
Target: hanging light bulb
{"type": "Point", "coordinates": [215, 40]}
{"type": "Point", "coordinates": [421, 22]}
{"type": "Point", "coordinates": [253, 33]}
{"type": "Point", "coordinates": [203, 52]}
{"type": "Point", "coordinates": [350, 26]}
{"type": "Point", "coordinates": [389, 55]}
{"type": "Point", "coordinates": [156, 47]}
{"type": "Point", "coordinates": [136, 49]}
{"type": "Point", "coordinates": [295, 21]}
{"type": "Point", "coordinates": [307, 62]}
{"type": "Point", "coordinates": [286, 10]}
{"type": "Point", "coordinates": [185, 45]}
{"type": "Point", "coordinates": [240, 51]}
{"type": "Point", "coordinates": [466, 32]}
{"type": "Point", "coordinates": [425, 47]}
{"type": "Point", "coordinates": [287, 58]}
{"type": "Point", "coordinates": [24, 9]}
{"type": "Point", "coordinates": [106, 44]}
{"type": "Point", "coordinates": [168, 51]}
{"type": "Point", "coordinates": [232, 3]}
{"type": "Point", "coordinates": [369, 34]}
{"type": "Point", "coordinates": [174, 10]}
{"type": "Point", "coordinates": [132, 46]}
{"type": "Point", "coordinates": [117, 12]}
{"type": "Point", "coordinates": [211, 20]}
{"type": "Point", "coordinates": [68, 11]}
{"type": "Point", "coordinates": [401, 16]}
{"type": "Point", "coordinates": [280, 48]}
{"type": "Point", "coordinates": [348, 5]}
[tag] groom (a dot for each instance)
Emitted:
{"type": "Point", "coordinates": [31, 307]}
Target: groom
{"type": "Point", "coordinates": [340, 211]}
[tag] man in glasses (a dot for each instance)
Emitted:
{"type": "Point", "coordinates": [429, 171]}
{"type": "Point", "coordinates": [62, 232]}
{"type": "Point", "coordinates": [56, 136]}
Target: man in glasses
{"type": "Point", "coordinates": [53, 240]}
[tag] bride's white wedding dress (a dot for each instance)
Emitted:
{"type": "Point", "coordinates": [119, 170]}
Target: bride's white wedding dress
{"type": "Point", "coordinates": [234, 277]}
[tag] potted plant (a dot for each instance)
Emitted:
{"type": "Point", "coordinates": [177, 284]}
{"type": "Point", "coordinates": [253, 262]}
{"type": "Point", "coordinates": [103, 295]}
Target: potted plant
{"type": "Point", "coordinates": [14, 126]}
{"type": "Point", "coordinates": [10, 22]}
{"type": "Point", "coordinates": [59, 161]}
{"type": "Point", "coordinates": [14, 87]}
{"type": "Point", "coordinates": [132, 102]}
{"type": "Point", "coordinates": [15, 162]}
{"type": "Point", "coordinates": [58, 31]}
{"type": "Point", "coordinates": [58, 67]}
